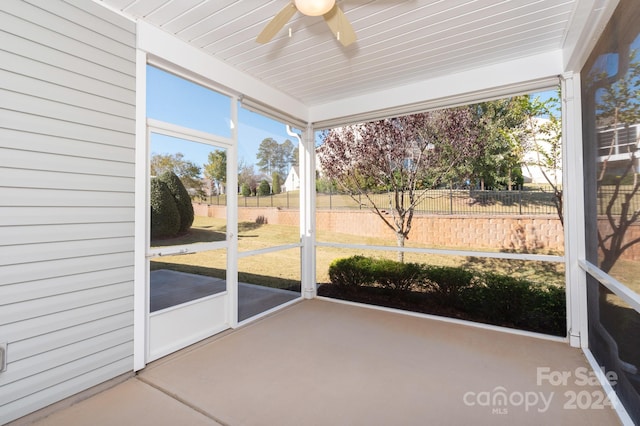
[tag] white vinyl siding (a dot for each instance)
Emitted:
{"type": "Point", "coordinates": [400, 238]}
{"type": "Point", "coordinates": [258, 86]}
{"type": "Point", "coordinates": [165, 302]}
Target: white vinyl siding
{"type": "Point", "coordinates": [67, 139]}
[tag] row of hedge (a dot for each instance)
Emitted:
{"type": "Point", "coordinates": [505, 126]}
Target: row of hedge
{"type": "Point", "coordinates": [487, 297]}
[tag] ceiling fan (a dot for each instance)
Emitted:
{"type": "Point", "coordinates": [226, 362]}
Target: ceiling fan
{"type": "Point", "coordinates": [333, 16]}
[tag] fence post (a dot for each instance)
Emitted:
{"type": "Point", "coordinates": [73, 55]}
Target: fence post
{"type": "Point", "coordinates": [520, 200]}
{"type": "Point", "coordinates": [287, 199]}
{"type": "Point", "coordinates": [450, 198]}
{"type": "Point", "coordinates": [359, 201]}
{"type": "Point", "coordinates": [330, 200]}
{"type": "Point", "coordinates": [600, 198]}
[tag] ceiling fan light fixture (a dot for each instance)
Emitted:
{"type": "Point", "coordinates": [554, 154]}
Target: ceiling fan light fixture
{"type": "Point", "coordinates": [314, 7]}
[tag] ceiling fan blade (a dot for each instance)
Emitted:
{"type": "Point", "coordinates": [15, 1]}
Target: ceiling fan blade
{"type": "Point", "coordinates": [340, 26]}
{"type": "Point", "coordinates": [277, 23]}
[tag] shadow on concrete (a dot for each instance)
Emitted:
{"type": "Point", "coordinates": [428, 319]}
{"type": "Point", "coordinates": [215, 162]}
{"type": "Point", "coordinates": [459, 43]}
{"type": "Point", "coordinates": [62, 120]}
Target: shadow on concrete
{"type": "Point", "coordinates": [171, 288]}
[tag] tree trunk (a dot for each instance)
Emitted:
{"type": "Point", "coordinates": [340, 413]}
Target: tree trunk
{"type": "Point", "coordinates": [400, 243]}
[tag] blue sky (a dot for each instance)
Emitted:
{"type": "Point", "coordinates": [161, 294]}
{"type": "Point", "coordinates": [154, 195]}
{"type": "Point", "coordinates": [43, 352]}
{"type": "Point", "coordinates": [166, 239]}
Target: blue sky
{"type": "Point", "coordinates": [178, 101]}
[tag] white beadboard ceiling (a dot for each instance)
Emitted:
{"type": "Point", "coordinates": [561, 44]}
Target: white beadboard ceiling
{"type": "Point", "coordinates": [400, 42]}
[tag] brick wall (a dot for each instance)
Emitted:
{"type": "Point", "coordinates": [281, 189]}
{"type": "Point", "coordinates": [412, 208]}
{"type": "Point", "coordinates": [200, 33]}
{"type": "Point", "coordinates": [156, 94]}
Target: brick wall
{"type": "Point", "coordinates": [461, 231]}
{"type": "Point", "coordinates": [539, 232]}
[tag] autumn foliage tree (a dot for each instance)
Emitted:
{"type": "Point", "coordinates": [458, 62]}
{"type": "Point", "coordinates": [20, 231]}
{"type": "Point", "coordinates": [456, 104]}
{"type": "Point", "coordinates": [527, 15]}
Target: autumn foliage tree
{"type": "Point", "coordinates": [402, 156]}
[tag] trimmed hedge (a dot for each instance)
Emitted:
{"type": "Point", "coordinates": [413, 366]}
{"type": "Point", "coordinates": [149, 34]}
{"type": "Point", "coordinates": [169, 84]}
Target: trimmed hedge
{"type": "Point", "coordinates": [165, 218]}
{"type": "Point", "coordinates": [486, 297]}
{"type": "Point", "coordinates": [182, 199]}
{"type": "Point", "coordinates": [395, 275]}
{"type": "Point", "coordinates": [446, 283]}
{"type": "Point", "coordinates": [521, 303]}
{"type": "Point", "coordinates": [351, 271]}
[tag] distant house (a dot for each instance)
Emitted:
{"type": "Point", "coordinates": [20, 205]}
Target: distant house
{"type": "Point", "coordinates": [532, 170]}
{"type": "Point", "coordinates": [292, 182]}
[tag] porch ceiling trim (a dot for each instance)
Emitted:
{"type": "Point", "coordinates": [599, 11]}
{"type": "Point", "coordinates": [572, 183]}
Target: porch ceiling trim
{"type": "Point", "coordinates": [196, 64]}
{"type": "Point", "coordinates": [537, 72]}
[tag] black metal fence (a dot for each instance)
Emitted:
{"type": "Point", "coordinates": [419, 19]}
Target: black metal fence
{"type": "Point", "coordinates": [437, 201]}
{"type": "Point", "coordinates": [450, 201]}
{"type": "Point", "coordinates": [608, 197]}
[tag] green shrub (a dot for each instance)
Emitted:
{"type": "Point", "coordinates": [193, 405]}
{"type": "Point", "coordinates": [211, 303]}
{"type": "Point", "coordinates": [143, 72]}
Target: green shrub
{"type": "Point", "coordinates": [275, 178]}
{"type": "Point", "coordinates": [165, 218]}
{"type": "Point", "coordinates": [351, 272]}
{"type": "Point", "coordinates": [548, 313]}
{"type": "Point", "coordinates": [264, 189]}
{"type": "Point", "coordinates": [395, 275]}
{"type": "Point", "coordinates": [446, 283]}
{"type": "Point", "coordinates": [492, 298]}
{"type": "Point", "coordinates": [182, 199]}
{"type": "Point", "coordinates": [499, 298]}
{"type": "Point", "coordinates": [246, 190]}
{"type": "Point", "coordinates": [504, 300]}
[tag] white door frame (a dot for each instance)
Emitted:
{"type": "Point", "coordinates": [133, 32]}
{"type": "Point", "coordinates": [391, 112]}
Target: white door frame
{"type": "Point", "coordinates": [227, 303]}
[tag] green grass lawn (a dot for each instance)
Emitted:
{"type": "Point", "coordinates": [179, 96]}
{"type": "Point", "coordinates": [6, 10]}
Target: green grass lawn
{"type": "Point", "coordinates": [282, 268]}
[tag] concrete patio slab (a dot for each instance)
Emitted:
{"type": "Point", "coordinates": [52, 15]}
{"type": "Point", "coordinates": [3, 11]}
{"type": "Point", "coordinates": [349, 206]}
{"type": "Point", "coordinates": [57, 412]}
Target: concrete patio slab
{"type": "Point", "coordinates": [130, 403]}
{"type": "Point", "coordinates": [171, 288]}
{"type": "Point", "coordinates": [326, 363]}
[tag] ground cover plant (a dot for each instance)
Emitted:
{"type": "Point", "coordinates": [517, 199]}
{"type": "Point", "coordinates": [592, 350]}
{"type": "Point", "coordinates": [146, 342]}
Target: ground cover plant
{"type": "Point", "coordinates": [486, 297]}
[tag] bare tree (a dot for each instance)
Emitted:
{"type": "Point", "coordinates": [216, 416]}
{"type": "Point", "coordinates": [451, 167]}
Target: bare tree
{"type": "Point", "coordinates": [543, 138]}
{"type": "Point", "coordinates": [619, 112]}
{"type": "Point", "coordinates": [400, 156]}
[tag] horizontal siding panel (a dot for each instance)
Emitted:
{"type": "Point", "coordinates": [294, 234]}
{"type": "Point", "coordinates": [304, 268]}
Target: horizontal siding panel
{"type": "Point", "coordinates": [87, 346]}
{"type": "Point", "coordinates": [50, 91]}
{"type": "Point", "coordinates": [15, 46]}
{"type": "Point", "coordinates": [18, 46]}
{"type": "Point", "coordinates": [20, 235]}
{"type": "Point", "coordinates": [78, 166]}
{"type": "Point", "coordinates": [63, 302]}
{"type": "Point", "coordinates": [34, 142]}
{"type": "Point", "coordinates": [58, 268]}
{"type": "Point", "coordinates": [100, 12]}
{"type": "Point", "coordinates": [63, 372]}
{"type": "Point", "coordinates": [44, 252]}
{"type": "Point", "coordinates": [61, 111]}
{"type": "Point", "coordinates": [21, 292]}
{"type": "Point", "coordinates": [74, 79]}
{"type": "Point", "coordinates": [51, 31]}
{"type": "Point", "coordinates": [35, 126]}
{"type": "Point", "coordinates": [57, 339]}
{"type": "Point", "coordinates": [38, 326]}
{"type": "Point", "coordinates": [78, 24]}
{"type": "Point", "coordinates": [53, 197]}
{"type": "Point", "coordinates": [42, 397]}
{"type": "Point", "coordinates": [21, 178]}
{"type": "Point", "coordinates": [67, 196]}
{"type": "Point", "coordinates": [20, 216]}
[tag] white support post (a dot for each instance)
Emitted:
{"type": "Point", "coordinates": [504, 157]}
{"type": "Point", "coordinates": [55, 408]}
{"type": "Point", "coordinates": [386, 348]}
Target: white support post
{"type": "Point", "coordinates": [307, 213]}
{"type": "Point", "coordinates": [573, 205]}
{"type": "Point", "coordinates": [232, 219]}
{"type": "Point", "coordinates": [141, 212]}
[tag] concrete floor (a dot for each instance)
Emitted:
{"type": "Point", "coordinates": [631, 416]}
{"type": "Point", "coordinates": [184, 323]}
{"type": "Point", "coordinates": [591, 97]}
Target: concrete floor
{"type": "Point", "coordinates": [325, 363]}
{"type": "Point", "coordinates": [171, 288]}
